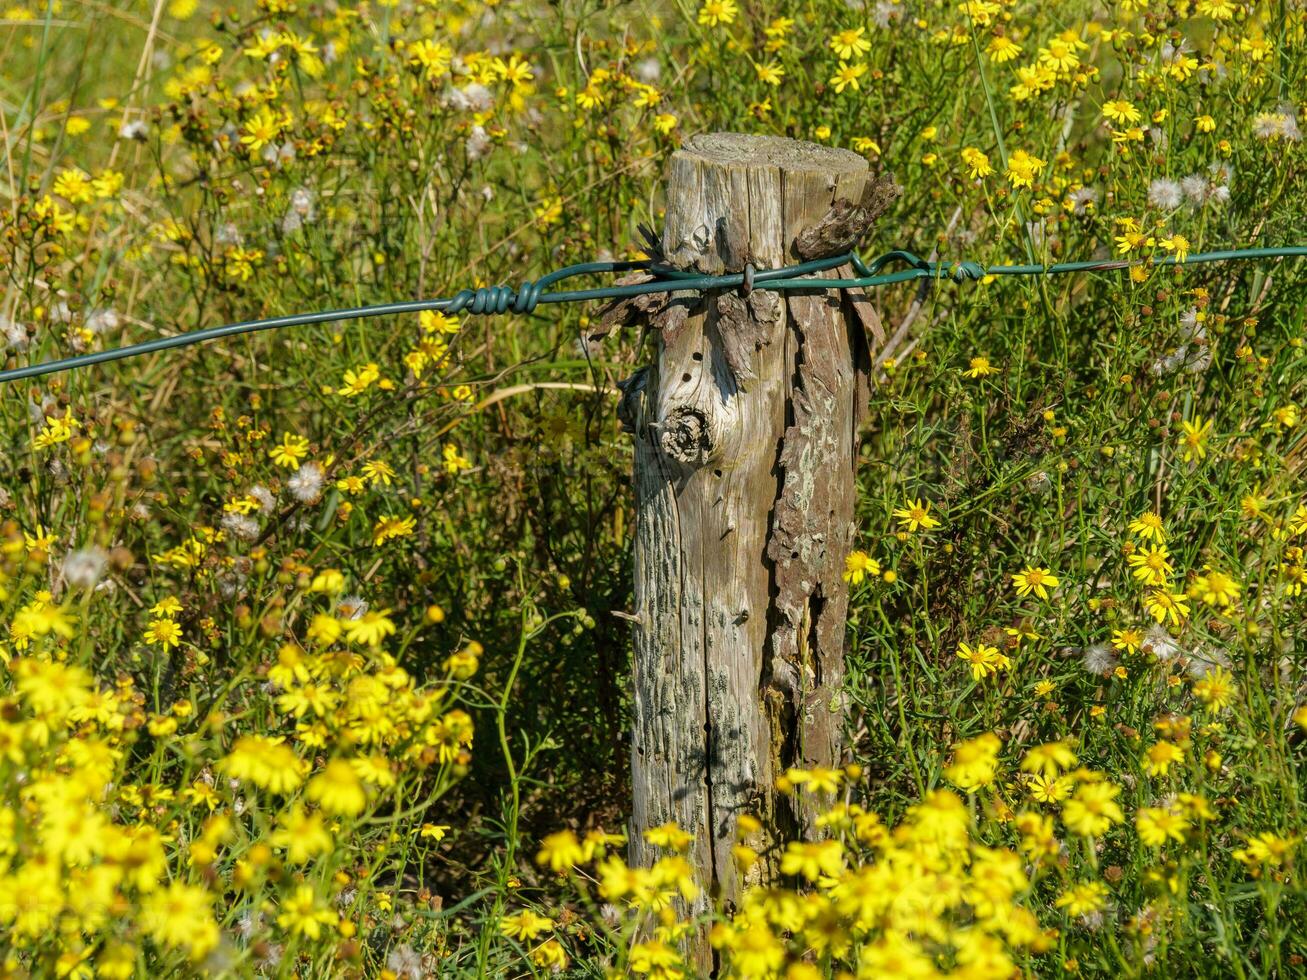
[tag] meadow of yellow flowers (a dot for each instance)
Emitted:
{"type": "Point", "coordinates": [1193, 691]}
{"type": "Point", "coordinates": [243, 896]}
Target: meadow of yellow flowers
{"type": "Point", "coordinates": [309, 661]}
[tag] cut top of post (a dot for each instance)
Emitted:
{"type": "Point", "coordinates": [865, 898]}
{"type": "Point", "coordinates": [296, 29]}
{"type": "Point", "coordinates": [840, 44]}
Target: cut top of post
{"type": "Point", "coordinates": [773, 151]}
{"type": "Point", "coordinates": [741, 200]}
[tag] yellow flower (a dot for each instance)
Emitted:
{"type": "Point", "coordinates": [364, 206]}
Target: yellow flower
{"type": "Point", "coordinates": [979, 367]}
{"type": "Point", "coordinates": [517, 71]}
{"type": "Point", "coordinates": [858, 566]}
{"type": "Point", "coordinates": [984, 660]}
{"type": "Point", "coordinates": [1287, 416]}
{"type": "Point", "coordinates": [357, 382]}
{"type": "Point", "coordinates": [817, 779]}
{"type": "Point", "coordinates": [846, 76]}
{"type": "Point", "coordinates": [388, 528]}
{"type": "Point", "coordinates": [1084, 898]}
{"type": "Point", "coordinates": [1217, 9]}
{"type": "Point", "coordinates": [180, 916]}
{"type": "Point", "coordinates": [1163, 605]}
{"type": "Point", "coordinates": [167, 606]}
{"type": "Point", "coordinates": [1120, 111]}
{"type": "Point", "coordinates": [1036, 580]}
{"type": "Point", "coordinates": [165, 633]}
{"type": "Point", "coordinates": [1214, 588]}
{"type": "Point", "coordinates": [849, 43]}
{"type": "Point", "coordinates": [771, 73]}
{"type": "Point", "coordinates": [1148, 526]}
{"type": "Point", "coordinates": [301, 916]}
{"type": "Point", "coordinates": [289, 451]}
{"type": "Point", "coordinates": [1002, 49]}
{"type": "Point", "coordinates": [549, 211]}
{"type": "Point", "coordinates": [1265, 849]}
{"type": "Point", "coordinates": [302, 835]}
{"type": "Point", "coordinates": [40, 539]}
{"type": "Point", "coordinates": [338, 789]}
{"type": "Point", "coordinates": [1216, 689]}
{"type": "Point", "coordinates": [812, 859]}
{"type": "Point", "coordinates": [560, 851]}
{"type": "Point", "coordinates": [1193, 438]}
{"type": "Point", "coordinates": [1127, 639]}
{"type": "Point", "coordinates": [329, 581]}
{"type": "Point", "coordinates": [977, 162]}
{"type": "Point", "coordinates": [657, 960]}
{"type": "Point", "coordinates": [1130, 240]}
{"type": "Point", "coordinates": [668, 835]}
{"type": "Point", "coordinates": [74, 186]}
{"type": "Point", "coordinates": [1156, 826]}
{"type": "Point", "coordinates": [1023, 168]}
{"type": "Point", "coordinates": [1177, 244]}
{"type": "Point", "coordinates": [914, 516]}
{"type": "Point", "coordinates": [550, 955]}
{"type": "Point", "coordinates": [370, 628]}
{"type": "Point", "coordinates": [266, 762]}
{"type": "Point", "coordinates": [432, 57]}
{"type": "Point", "coordinates": [1050, 789]}
{"type": "Point", "coordinates": [1049, 757]}
{"type": "Point", "coordinates": [55, 431]}
{"type": "Point", "coordinates": [1157, 761]}
{"type": "Point", "coordinates": [1151, 565]}
{"type": "Point", "coordinates": [264, 127]}
{"type": "Point", "coordinates": [975, 762]}
{"type": "Point", "coordinates": [525, 925]}
{"type": "Point", "coordinates": [1093, 809]}
{"type": "Point", "coordinates": [454, 461]}
{"type": "Point", "coordinates": [714, 12]}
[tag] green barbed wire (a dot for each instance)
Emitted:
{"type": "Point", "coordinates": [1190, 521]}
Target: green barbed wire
{"type": "Point", "coordinates": [530, 294]}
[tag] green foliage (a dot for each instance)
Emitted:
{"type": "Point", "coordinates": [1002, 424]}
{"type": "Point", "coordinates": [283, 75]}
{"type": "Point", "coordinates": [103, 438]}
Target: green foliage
{"type": "Point", "coordinates": [371, 540]}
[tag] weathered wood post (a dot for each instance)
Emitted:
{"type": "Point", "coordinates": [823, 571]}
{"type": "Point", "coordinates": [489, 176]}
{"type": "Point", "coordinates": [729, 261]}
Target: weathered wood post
{"type": "Point", "coordinates": [745, 446]}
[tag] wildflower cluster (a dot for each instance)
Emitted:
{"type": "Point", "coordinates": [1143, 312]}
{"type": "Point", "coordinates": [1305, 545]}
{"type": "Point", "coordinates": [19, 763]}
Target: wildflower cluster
{"type": "Point", "coordinates": [311, 641]}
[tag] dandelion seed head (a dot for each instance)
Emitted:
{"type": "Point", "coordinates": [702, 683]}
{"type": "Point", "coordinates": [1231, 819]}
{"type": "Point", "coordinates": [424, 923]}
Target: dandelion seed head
{"type": "Point", "coordinates": [267, 502]}
{"type": "Point", "coordinates": [241, 526]}
{"type": "Point", "coordinates": [1205, 659]}
{"type": "Point", "coordinates": [1165, 194]}
{"type": "Point", "coordinates": [103, 321]}
{"type": "Point", "coordinates": [648, 70]}
{"type": "Point", "coordinates": [305, 484]}
{"type": "Point", "coordinates": [351, 607]}
{"type": "Point", "coordinates": [885, 13]}
{"type": "Point", "coordinates": [83, 569]}
{"type": "Point", "coordinates": [1082, 198]}
{"type": "Point", "coordinates": [1158, 642]}
{"type": "Point", "coordinates": [478, 143]}
{"type": "Point", "coordinates": [14, 334]}
{"type": "Point", "coordinates": [405, 962]}
{"type": "Point", "coordinates": [1099, 658]}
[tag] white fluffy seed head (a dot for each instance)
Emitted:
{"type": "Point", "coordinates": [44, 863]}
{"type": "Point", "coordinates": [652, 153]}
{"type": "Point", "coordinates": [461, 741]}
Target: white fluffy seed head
{"type": "Point", "coordinates": [305, 485]}
{"type": "Point", "coordinates": [84, 568]}
{"type": "Point", "coordinates": [1099, 658]}
{"type": "Point", "coordinates": [240, 526]}
{"type": "Point", "coordinates": [1165, 194]}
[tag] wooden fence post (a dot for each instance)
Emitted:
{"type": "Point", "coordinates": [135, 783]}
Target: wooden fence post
{"type": "Point", "coordinates": [745, 435]}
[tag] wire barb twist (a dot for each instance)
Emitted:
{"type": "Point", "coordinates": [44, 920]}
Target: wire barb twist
{"type": "Point", "coordinates": [497, 299]}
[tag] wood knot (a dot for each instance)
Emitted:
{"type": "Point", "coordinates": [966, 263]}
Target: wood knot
{"type": "Point", "coordinates": [686, 436]}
